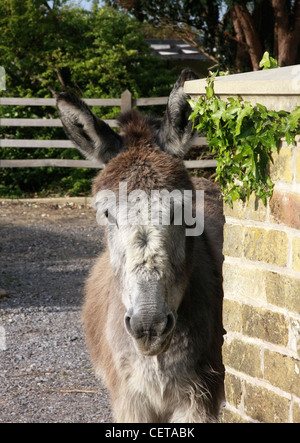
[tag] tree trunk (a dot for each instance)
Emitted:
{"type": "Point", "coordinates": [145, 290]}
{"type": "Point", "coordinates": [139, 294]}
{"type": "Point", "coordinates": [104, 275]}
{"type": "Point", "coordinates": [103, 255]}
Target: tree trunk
{"type": "Point", "coordinates": [242, 56]}
{"type": "Point", "coordinates": [251, 35]}
{"type": "Point", "coordinates": [287, 35]}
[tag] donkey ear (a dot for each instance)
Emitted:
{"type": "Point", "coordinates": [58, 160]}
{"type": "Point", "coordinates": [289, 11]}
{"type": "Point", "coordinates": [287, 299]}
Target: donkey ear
{"type": "Point", "coordinates": [93, 137]}
{"type": "Point", "coordinates": [176, 135]}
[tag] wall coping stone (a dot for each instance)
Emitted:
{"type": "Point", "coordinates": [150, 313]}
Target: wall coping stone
{"type": "Point", "coordinates": [277, 89]}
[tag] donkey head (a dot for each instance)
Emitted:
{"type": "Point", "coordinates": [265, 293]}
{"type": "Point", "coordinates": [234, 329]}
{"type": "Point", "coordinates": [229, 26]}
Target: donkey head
{"type": "Point", "coordinates": [139, 195]}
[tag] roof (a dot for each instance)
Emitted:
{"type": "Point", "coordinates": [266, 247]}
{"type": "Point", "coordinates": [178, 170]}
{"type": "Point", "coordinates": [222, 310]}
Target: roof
{"type": "Point", "coordinates": [175, 48]}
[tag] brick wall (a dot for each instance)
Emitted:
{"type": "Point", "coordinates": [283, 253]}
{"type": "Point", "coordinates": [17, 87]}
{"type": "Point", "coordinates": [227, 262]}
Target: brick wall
{"type": "Point", "coordinates": [262, 301]}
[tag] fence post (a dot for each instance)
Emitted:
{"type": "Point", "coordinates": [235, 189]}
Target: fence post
{"type": "Point", "coordinates": [126, 101]}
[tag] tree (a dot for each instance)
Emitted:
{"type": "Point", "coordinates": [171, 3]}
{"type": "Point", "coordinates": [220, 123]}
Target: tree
{"type": "Point", "coordinates": [287, 30]}
{"type": "Point", "coordinates": [46, 47]}
{"type": "Point", "coordinates": [274, 25]}
{"type": "Point", "coordinates": [182, 17]}
{"type": "Point", "coordinates": [99, 53]}
{"type": "Point", "coordinates": [235, 33]}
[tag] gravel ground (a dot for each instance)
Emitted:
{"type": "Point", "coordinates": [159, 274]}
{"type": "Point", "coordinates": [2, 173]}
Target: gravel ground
{"type": "Point", "coordinates": [46, 252]}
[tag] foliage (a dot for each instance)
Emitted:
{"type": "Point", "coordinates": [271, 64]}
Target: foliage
{"type": "Point", "coordinates": [268, 62]}
{"type": "Point", "coordinates": [46, 47]}
{"type": "Point", "coordinates": [201, 16]}
{"type": "Point", "coordinates": [234, 33]}
{"type": "Point", "coordinates": [98, 53]}
{"type": "Point", "coordinates": [243, 137]}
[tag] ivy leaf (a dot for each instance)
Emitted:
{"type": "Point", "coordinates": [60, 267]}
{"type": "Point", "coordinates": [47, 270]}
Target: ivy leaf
{"type": "Point", "coordinates": [294, 118]}
{"type": "Point", "coordinates": [263, 110]}
{"type": "Point", "coordinates": [246, 111]}
{"type": "Point", "coordinates": [268, 62]}
{"type": "Point", "coordinates": [209, 91]}
{"type": "Point", "coordinates": [232, 110]}
{"type": "Point", "coordinates": [243, 139]}
{"type": "Point", "coordinates": [193, 104]}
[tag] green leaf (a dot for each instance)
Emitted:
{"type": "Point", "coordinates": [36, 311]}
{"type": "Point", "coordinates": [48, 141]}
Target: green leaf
{"type": "Point", "coordinates": [243, 139]}
{"type": "Point", "coordinates": [246, 111]}
{"type": "Point", "coordinates": [268, 62]}
{"type": "Point", "coordinates": [193, 104]}
{"type": "Point", "coordinates": [294, 119]}
{"type": "Point", "coordinates": [209, 92]}
{"type": "Point", "coordinates": [263, 110]}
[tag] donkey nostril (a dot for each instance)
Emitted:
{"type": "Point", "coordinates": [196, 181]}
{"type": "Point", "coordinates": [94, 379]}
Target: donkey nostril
{"type": "Point", "coordinates": [141, 328]}
{"type": "Point", "coordinates": [135, 327]}
{"type": "Point", "coordinates": [127, 320]}
{"type": "Point", "coordinates": [170, 323]}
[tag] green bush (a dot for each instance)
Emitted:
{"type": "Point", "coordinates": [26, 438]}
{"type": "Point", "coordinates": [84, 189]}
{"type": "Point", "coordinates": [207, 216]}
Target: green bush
{"type": "Point", "coordinates": [97, 54]}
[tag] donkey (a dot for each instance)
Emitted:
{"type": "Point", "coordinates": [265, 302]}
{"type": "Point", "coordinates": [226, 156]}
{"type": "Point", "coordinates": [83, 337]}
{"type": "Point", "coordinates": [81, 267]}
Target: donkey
{"type": "Point", "coordinates": [153, 301]}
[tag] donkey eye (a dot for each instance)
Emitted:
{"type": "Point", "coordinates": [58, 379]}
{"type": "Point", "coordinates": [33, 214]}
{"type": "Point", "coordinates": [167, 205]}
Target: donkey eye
{"type": "Point", "coordinates": [111, 219]}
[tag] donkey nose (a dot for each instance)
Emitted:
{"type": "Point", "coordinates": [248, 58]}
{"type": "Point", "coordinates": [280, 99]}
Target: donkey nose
{"type": "Point", "coordinates": [141, 327]}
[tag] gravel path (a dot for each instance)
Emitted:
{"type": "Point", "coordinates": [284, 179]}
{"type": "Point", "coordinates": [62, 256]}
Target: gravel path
{"type": "Point", "coordinates": [46, 252]}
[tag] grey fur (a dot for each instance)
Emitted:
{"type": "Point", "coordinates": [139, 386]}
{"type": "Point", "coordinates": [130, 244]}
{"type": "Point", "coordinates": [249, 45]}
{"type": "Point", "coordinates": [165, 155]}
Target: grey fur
{"type": "Point", "coordinates": [93, 137]}
{"type": "Point", "coordinates": [175, 135]}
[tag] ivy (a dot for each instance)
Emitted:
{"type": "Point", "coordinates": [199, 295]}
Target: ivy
{"type": "Point", "coordinates": [243, 138]}
{"type": "Point", "coordinates": [268, 62]}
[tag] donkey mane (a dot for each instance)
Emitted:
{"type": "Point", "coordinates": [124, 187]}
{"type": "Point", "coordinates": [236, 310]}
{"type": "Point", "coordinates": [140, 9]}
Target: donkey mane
{"type": "Point", "coordinates": [134, 127]}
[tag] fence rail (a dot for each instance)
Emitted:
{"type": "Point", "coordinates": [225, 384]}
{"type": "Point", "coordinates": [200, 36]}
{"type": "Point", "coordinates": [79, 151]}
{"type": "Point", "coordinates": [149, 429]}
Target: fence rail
{"type": "Point", "coordinates": [126, 102]}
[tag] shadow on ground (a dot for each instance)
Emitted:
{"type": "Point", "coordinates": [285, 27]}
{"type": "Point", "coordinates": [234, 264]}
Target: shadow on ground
{"type": "Point", "coordinates": [45, 370]}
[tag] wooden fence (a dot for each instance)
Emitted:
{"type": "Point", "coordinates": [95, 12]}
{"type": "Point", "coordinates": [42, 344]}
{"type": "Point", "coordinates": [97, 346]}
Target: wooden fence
{"type": "Point", "coordinates": [126, 102]}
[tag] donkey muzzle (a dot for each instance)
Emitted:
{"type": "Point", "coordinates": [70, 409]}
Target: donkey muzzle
{"type": "Point", "coordinates": [152, 332]}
